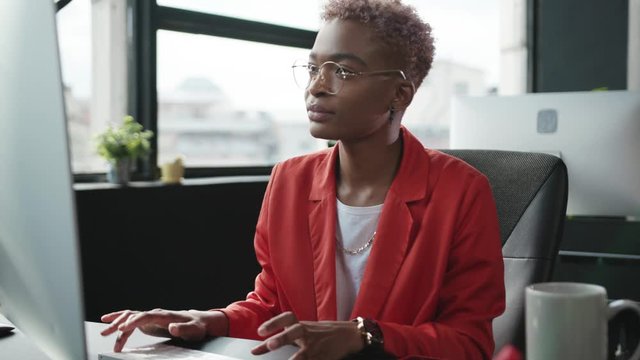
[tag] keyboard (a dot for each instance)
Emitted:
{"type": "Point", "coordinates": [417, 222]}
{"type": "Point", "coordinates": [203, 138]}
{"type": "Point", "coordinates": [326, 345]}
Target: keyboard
{"type": "Point", "coordinates": [163, 352]}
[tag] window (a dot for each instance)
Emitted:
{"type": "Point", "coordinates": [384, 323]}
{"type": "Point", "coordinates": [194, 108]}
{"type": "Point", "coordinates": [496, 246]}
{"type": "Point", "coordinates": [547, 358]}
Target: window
{"type": "Point", "coordinates": [219, 72]}
{"type": "Point", "coordinates": [226, 102]}
{"type": "Point", "coordinates": [93, 75]}
{"type": "Point", "coordinates": [74, 38]}
{"type": "Point", "coordinates": [466, 63]}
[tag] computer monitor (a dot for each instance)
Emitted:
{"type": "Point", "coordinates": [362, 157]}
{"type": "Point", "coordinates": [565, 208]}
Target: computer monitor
{"type": "Point", "coordinates": [597, 134]}
{"type": "Point", "coordinates": [40, 277]}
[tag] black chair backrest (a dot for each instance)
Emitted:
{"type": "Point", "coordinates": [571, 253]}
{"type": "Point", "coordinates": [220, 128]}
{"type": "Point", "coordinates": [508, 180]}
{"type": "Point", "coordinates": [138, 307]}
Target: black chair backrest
{"type": "Point", "coordinates": [530, 190]}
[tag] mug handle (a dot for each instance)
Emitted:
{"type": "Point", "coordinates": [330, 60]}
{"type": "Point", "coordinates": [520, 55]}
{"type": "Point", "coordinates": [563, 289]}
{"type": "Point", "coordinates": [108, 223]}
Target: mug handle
{"type": "Point", "coordinates": [615, 307]}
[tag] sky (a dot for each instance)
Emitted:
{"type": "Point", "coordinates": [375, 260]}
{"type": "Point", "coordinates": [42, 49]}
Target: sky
{"type": "Point", "coordinates": [466, 31]}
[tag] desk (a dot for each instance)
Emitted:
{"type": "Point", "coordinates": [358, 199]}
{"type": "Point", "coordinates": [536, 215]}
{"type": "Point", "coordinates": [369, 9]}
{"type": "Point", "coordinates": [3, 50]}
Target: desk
{"type": "Point", "coordinates": [19, 346]}
{"type": "Point", "coordinates": [240, 348]}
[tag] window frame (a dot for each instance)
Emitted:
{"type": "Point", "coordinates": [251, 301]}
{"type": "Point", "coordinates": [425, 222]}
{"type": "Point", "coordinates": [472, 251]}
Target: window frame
{"type": "Point", "coordinates": [144, 20]}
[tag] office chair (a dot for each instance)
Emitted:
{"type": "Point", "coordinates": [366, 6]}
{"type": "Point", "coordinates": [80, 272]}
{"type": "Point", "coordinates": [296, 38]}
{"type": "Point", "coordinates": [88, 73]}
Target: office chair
{"type": "Point", "coordinates": [530, 190]}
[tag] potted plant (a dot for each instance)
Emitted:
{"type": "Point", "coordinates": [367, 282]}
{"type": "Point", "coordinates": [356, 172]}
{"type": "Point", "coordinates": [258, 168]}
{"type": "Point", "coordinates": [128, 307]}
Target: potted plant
{"type": "Point", "coordinates": [121, 146]}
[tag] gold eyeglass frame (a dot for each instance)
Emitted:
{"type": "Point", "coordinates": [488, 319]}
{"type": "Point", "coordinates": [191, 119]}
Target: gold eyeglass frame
{"type": "Point", "coordinates": [341, 75]}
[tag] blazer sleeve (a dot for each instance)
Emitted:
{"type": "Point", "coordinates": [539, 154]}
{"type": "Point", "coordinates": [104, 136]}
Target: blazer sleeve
{"type": "Point", "coordinates": [472, 293]}
{"type": "Point", "coordinates": [262, 303]}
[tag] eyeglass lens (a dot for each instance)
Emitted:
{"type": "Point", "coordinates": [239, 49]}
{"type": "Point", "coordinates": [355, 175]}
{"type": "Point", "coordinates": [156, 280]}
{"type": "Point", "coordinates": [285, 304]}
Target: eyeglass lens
{"type": "Point", "coordinates": [329, 73]}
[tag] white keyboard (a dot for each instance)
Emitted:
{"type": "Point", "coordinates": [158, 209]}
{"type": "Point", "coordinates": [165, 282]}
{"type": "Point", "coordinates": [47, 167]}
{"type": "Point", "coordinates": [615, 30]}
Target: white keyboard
{"type": "Point", "coordinates": [163, 352]}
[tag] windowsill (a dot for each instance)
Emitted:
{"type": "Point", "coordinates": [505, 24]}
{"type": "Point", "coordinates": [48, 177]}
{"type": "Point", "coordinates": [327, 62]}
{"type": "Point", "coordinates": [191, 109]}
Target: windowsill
{"type": "Point", "coordinates": [190, 173]}
{"type": "Point", "coordinates": [184, 182]}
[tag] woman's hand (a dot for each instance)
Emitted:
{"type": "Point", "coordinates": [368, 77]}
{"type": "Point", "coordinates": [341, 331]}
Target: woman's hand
{"type": "Point", "coordinates": [191, 325]}
{"type": "Point", "coordinates": [325, 340]}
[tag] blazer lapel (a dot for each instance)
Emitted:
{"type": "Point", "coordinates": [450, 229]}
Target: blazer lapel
{"type": "Point", "coordinates": [322, 231]}
{"type": "Point", "coordinates": [385, 260]}
{"type": "Point", "coordinates": [394, 229]}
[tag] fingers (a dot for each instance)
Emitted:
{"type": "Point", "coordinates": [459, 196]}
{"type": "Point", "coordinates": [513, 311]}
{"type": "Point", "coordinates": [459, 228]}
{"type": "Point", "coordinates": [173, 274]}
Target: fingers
{"type": "Point", "coordinates": [269, 327]}
{"type": "Point", "coordinates": [158, 322]}
{"type": "Point", "coordinates": [116, 319]}
{"type": "Point", "coordinates": [157, 318]}
{"type": "Point", "coordinates": [277, 323]}
{"type": "Point", "coordinates": [190, 331]}
{"type": "Point", "coordinates": [288, 337]}
{"type": "Point", "coordinates": [111, 316]}
{"type": "Point", "coordinates": [121, 340]}
{"type": "Point", "coordinates": [260, 349]}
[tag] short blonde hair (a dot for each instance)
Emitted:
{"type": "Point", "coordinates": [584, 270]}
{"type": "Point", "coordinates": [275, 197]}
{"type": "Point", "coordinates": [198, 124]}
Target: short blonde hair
{"type": "Point", "coordinates": [396, 24]}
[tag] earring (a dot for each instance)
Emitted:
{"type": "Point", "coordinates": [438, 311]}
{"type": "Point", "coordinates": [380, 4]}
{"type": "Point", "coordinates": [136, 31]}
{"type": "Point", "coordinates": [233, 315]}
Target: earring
{"type": "Point", "coordinates": [392, 112]}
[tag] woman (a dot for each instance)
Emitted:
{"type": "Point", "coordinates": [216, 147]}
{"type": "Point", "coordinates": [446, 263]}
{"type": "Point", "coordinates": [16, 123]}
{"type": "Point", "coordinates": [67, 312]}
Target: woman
{"type": "Point", "coordinates": [377, 243]}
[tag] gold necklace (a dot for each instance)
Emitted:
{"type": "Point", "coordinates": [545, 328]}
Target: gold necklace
{"type": "Point", "coordinates": [360, 249]}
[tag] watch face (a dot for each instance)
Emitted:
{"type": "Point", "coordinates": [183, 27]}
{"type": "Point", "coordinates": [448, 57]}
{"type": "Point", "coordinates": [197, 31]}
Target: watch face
{"type": "Point", "coordinates": [374, 333]}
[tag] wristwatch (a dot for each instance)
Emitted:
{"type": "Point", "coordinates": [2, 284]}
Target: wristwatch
{"type": "Point", "coordinates": [370, 333]}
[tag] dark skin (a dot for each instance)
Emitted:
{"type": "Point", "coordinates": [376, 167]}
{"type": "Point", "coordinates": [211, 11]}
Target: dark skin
{"type": "Point", "coordinates": [370, 149]}
{"type": "Point", "coordinates": [369, 155]}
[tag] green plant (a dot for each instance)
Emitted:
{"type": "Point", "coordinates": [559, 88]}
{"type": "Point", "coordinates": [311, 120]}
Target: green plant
{"type": "Point", "coordinates": [128, 140]}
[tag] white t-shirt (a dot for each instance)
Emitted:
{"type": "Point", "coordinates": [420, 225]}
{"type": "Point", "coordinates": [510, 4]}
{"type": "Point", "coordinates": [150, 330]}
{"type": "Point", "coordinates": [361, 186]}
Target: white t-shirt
{"type": "Point", "coordinates": [356, 225]}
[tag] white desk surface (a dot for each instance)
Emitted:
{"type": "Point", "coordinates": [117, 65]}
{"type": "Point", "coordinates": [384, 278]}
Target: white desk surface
{"type": "Point", "coordinates": [18, 345]}
{"type": "Point", "coordinates": [240, 348]}
{"type": "Point", "coordinates": [21, 347]}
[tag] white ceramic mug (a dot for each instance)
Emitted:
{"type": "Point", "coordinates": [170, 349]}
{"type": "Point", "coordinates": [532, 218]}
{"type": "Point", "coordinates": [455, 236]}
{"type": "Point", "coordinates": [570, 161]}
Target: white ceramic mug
{"type": "Point", "coordinates": [569, 321]}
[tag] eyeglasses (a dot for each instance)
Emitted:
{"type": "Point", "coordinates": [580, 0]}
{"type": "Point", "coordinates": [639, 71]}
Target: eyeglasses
{"type": "Point", "coordinates": [332, 74]}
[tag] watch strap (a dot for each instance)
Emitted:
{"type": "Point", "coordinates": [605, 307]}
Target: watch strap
{"type": "Point", "coordinates": [370, 332]}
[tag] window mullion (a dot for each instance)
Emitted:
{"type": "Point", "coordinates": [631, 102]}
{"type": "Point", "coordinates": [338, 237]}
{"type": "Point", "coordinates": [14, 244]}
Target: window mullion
{"type": "Point", "coordinates": [215, 25]}
{"type": "Point", "coordinates": [142, 64]}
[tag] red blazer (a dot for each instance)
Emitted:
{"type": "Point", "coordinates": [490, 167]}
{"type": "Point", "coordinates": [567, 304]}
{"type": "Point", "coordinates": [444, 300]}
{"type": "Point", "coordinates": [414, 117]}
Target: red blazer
{"type": "Point", "coordinates": [434, 279]}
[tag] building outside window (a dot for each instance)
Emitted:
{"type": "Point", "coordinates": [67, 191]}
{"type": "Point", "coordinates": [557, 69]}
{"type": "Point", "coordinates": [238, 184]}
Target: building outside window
{"type": "Point", "coordinates": [230, 102]}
